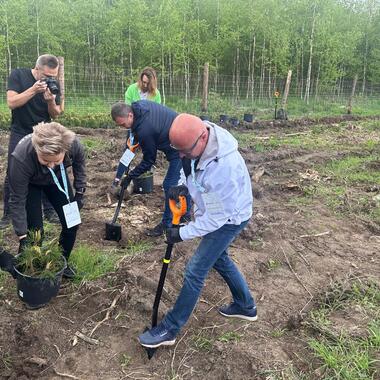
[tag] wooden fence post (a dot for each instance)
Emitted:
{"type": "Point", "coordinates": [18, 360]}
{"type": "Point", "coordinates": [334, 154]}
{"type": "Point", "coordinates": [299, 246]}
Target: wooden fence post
{"type": "Point", "coordinates": [204, 105]}
{"type": "Point", "coordinates": [349, 105]}
{"type": "Point", "coordinates": [286, 91]}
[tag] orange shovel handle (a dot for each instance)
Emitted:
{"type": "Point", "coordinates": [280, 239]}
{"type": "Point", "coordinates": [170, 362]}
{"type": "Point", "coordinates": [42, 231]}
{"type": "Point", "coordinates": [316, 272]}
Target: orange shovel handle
{"type": "Point", "coordinates": [132, 148]}
{"type": "Point", "coordinates": [178, 211]}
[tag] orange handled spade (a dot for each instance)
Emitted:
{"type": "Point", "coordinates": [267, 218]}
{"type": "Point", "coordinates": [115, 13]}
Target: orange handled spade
{"type": "Point", "coordinates": [177, 212]}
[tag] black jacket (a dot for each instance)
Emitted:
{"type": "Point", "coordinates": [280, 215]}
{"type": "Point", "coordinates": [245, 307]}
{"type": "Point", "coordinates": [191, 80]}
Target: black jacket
{"type": "Point", "coordinates": [151, 124]}
{"type": "Point", "coordinates": [25, 169]}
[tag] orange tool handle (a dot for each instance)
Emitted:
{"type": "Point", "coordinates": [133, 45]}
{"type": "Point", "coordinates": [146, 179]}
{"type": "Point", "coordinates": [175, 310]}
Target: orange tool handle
{"type": "Point", "coordinates": [132, 148]}
{"type": "Point", "coordinates": [178, 211]}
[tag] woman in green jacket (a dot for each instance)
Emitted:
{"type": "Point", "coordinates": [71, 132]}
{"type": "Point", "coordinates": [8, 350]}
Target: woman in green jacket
{"type": "Point", "coordinates": [144, 89]}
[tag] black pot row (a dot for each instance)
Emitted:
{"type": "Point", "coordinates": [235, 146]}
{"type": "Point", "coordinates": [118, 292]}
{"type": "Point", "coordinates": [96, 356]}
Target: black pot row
{"type": "Point", "coordinates": [248, 118]}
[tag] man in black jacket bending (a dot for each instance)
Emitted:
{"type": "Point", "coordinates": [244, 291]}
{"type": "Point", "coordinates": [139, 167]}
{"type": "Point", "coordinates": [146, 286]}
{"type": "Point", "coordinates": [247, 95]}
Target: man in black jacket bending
{"type": "Point", "coordinates": [149, 124]}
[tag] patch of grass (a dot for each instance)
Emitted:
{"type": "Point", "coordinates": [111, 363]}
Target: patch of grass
{"type": "Point", "coordinates": [125, 361]}
{"type": "Point", "coordinates": [91, 263]}
{"type": "Point", "coordinates": [353, 169]}
{"type": "Point", "coordinates": [278, 333]}
{"type": "Point", "coordinates": [230, 336]}
{"type": "Point", "coordinates": [202, 342]}
{"type": "Point", "coordinates": [273, 264]}
{"type": "Point", "coordinates": [6, 359]}
{"type": "Point", "coordinates": [93, 145]}
{"type": "Point", "coordinates": [3, 279]}
{"type": "Point", "coordinates": [256, 243]}
{"type": "Point", "coordinates": [344, 356]}
{"type": "Point", "coordinates": [347, 358]}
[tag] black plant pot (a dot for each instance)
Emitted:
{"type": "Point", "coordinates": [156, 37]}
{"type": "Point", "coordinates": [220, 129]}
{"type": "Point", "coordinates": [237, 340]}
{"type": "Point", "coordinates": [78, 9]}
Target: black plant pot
{"type": "Point", "coordinates": [223, 118]}
{"type": "Point", "coordinates": [234, 121]}
{"type": "Point", "coordinates": [37, 292]}
{"type": "Point", "coordinates": [248, 117]}
{"type": "Point", "coordinates": [281, 114]}
{"type": "Point", "coordinates": [204, 117]}
{"type": "Point", "coordinates": [143, 185]}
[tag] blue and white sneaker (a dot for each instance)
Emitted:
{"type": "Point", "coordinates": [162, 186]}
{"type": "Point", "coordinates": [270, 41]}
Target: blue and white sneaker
{"type": "Point", "coordinates": [156, 337]}
{"type": "Point", "coordinates": [234, 311]}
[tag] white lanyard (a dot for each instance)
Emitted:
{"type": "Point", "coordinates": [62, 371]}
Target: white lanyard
{"type": "Point", "coordinates": [64, 180]}
{"type": "Point", "coordinates": [195, 183]}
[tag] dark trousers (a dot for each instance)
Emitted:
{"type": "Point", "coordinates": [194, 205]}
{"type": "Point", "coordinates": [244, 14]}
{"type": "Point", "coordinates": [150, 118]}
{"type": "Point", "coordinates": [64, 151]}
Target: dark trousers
{"type": "Point", "coordinates": [58, 200]}
{"type": "Point", "coordinates": [13, 141]}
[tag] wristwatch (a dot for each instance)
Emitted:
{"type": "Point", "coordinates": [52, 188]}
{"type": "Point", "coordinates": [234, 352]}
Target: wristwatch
{"type": "Point", "coordinates": [81, 190]}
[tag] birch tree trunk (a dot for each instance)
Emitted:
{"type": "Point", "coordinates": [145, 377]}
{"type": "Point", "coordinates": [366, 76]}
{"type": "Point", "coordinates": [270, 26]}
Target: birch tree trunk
{"type": "Point", "coordinates": [253, 68]}
{"type": "Point", "coordinates": [237, 93]}
{"type": "Point", "coordinates": [9, 63]}
{"type": "Point", "coordinates": [365, 64]}
{"type": "Point", "coordinates": [308, 79]}
{"type": "Point", "coordinates": [249, 73]}
{"type": "Point", "coordinates": [130, 50]}
{"type": "Point", "coordinates": [163, 73]}
{"type": "Point", "coordinates": [38, 28]}
{"type": "Point", "coordinates": [317, 82]}
{"type": "Point", "coordinates": [262, 74]}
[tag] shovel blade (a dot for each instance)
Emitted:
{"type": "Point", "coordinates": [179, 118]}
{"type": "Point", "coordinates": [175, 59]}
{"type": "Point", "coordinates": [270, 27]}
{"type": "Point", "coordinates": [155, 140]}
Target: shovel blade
{"type": "Point", "coordinates": [150, 351]}
{"type": "Point", "coordinates": [113, 231]}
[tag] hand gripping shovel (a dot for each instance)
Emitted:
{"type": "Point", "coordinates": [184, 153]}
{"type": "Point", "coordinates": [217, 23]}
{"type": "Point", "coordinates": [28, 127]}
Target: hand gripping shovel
{"type": "Point", "coordinates": [177, 213]}
{"type": "Point", "coordinates": [113, 229]}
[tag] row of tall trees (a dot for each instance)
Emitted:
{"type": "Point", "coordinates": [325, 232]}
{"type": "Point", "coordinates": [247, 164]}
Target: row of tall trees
{"type": "Point", "coordinates": [253, 42]}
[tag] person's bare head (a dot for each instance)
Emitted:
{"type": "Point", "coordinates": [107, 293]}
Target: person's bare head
{"type": "Point", "coordinates": [122, 114]}
{"type": "Point", "coordinates": [189, 135]}
{"type": "Point", "coordinates": [51, 141]}
{"type": "Point", "coordinates": [46, 66]}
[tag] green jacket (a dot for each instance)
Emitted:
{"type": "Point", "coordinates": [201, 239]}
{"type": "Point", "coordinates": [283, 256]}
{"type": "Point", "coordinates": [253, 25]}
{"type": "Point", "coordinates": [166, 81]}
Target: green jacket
{"type": "Point", "coordinates": [133, 95]}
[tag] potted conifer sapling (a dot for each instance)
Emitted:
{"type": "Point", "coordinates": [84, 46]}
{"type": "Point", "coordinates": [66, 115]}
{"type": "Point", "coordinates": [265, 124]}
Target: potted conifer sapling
{"type": "Point", "coordinates": [39, 270]}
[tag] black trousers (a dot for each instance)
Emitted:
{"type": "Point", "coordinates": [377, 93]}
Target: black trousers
{"type": "Point", "coordinates": [14, 139]}
{"type": "Point", "coordinates": [58, 200]}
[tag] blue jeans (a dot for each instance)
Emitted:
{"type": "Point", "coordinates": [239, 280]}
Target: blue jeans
{"type": "Point", "coordinates": [211, 253]}
{"type": "Point", "coordinates": [171, 179]}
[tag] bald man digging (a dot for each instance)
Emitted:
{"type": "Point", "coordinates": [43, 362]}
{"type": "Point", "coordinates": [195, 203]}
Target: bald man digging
{"type": "Point", "coordinates": [220, 187]}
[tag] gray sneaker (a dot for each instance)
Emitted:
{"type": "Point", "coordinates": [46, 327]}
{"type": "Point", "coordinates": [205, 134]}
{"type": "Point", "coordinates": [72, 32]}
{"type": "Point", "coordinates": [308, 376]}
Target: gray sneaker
{"type": "Point", "coordinates": [234, 311]}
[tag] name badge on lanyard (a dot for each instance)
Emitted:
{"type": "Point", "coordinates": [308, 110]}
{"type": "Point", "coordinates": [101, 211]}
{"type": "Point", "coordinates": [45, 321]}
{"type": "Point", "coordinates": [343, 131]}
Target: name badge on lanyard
{"type": "Point", "coordinates": [71, 210]}
{"type": "Point", "coordinates": [212, 201]}
{"type": "Point", "coordinates": [127, 157]}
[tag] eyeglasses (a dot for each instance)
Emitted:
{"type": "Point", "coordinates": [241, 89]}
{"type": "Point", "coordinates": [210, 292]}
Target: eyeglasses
{"type": "Point", "coordinates": [188, 151]}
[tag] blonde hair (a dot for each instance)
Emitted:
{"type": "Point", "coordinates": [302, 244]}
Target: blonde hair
{"type": "Point", "coordinates": [52, 138]}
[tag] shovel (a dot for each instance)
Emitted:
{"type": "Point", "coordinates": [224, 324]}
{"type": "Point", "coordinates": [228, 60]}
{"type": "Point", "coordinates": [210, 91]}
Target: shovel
{"type": "Point", "coordinates": [177, 213]}
{"type": "Point", "coordinates": [113, 229]}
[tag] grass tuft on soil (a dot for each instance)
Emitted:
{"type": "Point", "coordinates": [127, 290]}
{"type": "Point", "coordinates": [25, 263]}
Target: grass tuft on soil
{"type": "Point", "coordinates": [347, 351]}
{"type": "Point", "coordinates": [91, 263]}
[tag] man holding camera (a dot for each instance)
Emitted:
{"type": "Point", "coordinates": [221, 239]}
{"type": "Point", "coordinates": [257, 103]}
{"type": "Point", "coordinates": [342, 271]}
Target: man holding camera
{"type": "Point", "coordinates": [33, 95]}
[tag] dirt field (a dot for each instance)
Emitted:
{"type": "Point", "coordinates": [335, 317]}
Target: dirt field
{"type": "Point", "coordinates": [314, 233]}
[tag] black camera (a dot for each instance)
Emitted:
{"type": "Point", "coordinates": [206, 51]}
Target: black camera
{"type": "Point", "coordinates": [52, 85]}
